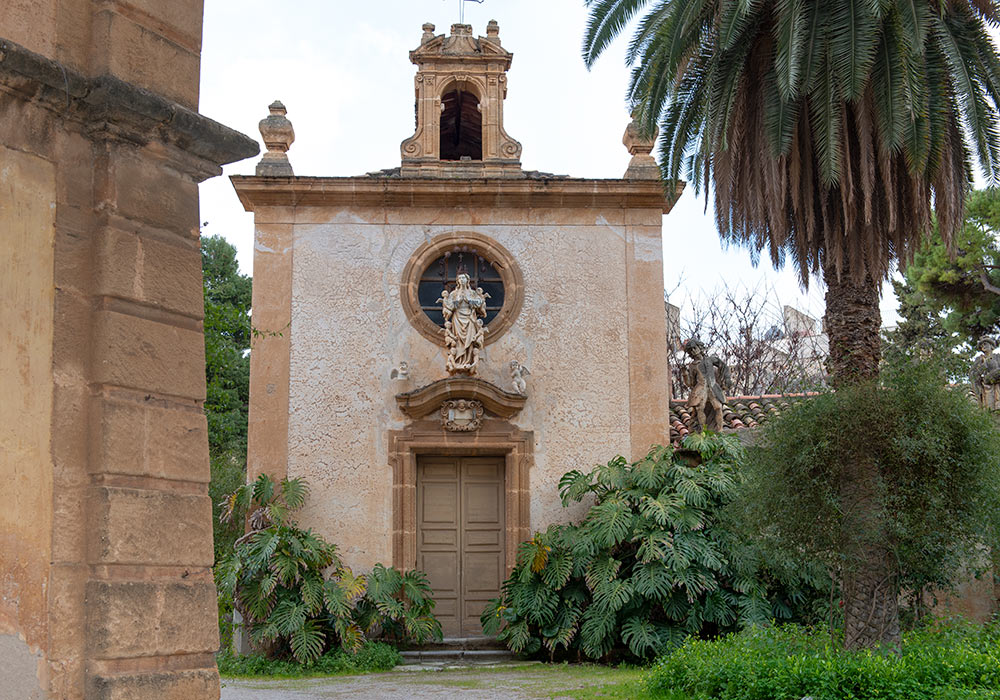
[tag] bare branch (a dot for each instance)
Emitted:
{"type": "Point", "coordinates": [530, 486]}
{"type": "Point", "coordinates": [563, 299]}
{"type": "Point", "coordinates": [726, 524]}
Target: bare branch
{"type": "Point", "coordinates": [987, 285]}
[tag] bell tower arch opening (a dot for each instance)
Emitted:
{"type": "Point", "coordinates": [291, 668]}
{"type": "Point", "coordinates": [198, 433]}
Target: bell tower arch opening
{"type": "Point", "coordinates": [460, 87]}
{"type": "Point", "coordinates": [461, 126]}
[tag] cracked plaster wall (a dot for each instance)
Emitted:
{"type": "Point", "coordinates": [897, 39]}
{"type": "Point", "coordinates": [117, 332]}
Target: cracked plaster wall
{"type": "Point", "coordinates": [349, 329]}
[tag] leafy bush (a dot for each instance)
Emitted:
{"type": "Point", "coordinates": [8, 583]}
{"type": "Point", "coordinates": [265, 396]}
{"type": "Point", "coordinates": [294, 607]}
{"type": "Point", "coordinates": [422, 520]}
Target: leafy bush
{"type": "Point", "coordinates": [654, 560]}
{"type": "Point", "coordinates": [944, 661]}
{"type": "Point", "coordinates": [277, 578]}
{"type": "Point", "coordinates": [371, 657]}
{"type": "Point", "coordinates": [935, 466]}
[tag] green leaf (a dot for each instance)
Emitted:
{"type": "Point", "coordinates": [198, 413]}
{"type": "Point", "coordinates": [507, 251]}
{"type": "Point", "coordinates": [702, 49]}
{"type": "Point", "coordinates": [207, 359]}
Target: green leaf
{"type": "Point", "coordinates": [573, 486]}
{"type": "Point", "coordinates": [790, 38]}
{"type": "Point", "coordinates": [641, 636]}
{"type": "Point", "coordinates": [610, 522]}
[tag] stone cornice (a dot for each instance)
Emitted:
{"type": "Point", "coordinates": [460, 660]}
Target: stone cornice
{"type": "Point", "coordinates": [108, 104]}
{"type": "Point", "coordinates": [434, 192]}
{"type": "Point", "coordinates": [426, 400]}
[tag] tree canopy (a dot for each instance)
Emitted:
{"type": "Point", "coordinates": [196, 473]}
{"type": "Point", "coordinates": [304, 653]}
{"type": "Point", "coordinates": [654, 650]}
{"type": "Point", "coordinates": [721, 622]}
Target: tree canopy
{"type": "Point", "coordinates": [825, 129]}
{"type": "Point", "coordinates": [961, 283]}
{"type": "Point", "coordinates": [227, 346]}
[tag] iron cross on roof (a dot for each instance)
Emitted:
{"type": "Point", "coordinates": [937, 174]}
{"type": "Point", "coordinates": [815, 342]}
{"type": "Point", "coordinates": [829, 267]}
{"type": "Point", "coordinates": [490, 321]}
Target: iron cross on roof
{"type": "Point", "coordinates": [461, 9]}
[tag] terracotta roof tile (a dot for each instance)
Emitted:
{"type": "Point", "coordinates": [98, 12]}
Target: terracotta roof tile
{"type": "Point", "coordinates": [738, 413]}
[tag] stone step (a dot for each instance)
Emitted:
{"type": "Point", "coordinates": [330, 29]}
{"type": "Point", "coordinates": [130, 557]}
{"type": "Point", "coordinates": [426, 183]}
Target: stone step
{"type": "Point", "coordinates": [470, 643]}
{"type": "Point", "coordinates": [457, 656]}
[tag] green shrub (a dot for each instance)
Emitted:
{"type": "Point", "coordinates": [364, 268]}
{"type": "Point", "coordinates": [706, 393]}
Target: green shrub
{"type": "Point", "coordinates": [653, 561]}
{"type": "Point", "coordinates": [945, 661]}
{"type": "Point", "coordinates": [370, 658]}
{"type": "Point", "coordinates": [276, 576]}
{"type": "Point", "coordinates": [935, 477]}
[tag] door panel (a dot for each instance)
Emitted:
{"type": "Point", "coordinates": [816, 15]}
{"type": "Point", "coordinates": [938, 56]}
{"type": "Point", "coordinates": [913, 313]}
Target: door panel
{"type": "Point", "coordinates": [460, 526]}
{"type": "Point", "coordinates": [438, 536]}
{"type": "Point", "coordinates": [482, 537]}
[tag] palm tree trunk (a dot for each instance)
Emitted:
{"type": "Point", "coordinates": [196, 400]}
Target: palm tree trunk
{"type": "Point", "coordinates": [852, 324]}
{"type": "Point", "coordinates": [869, 579]}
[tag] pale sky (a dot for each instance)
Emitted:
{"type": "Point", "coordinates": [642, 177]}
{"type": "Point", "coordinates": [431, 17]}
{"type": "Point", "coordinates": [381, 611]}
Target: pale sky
{"type": "Point", "coordinates": [342, 70]}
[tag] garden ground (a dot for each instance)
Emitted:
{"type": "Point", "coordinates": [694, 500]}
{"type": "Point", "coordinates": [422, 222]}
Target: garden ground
{"type": "Point", "coordinates": [515, 682]}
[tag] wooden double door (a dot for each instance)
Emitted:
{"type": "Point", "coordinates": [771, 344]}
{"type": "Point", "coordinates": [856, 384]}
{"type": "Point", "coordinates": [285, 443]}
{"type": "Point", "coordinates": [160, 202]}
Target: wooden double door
{"type": "Point", "coordinates": [460, 536]}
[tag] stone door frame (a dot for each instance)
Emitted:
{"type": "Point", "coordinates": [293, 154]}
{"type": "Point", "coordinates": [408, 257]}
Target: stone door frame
{"type": "Point", "coordinates": [496, 438]}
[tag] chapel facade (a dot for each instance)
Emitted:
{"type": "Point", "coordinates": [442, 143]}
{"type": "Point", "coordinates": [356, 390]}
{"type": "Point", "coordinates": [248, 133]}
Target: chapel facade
{"type": "Point", "coordinates": [443, 340]}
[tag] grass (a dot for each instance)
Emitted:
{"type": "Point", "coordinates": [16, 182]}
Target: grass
{"type": "Point", "coordinates": [541, 681]}
{"type": "Point", "coordinates": [952, 660]}
{"type": "Point", "coordinates": [601, 682]}
{"type": "Point", "coordinates": [577, 681]}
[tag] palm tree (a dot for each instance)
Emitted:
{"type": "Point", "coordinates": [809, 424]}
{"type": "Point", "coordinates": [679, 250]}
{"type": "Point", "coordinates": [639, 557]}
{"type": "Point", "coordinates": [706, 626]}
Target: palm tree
{"type": "Point", "coordinates": [828, 132]}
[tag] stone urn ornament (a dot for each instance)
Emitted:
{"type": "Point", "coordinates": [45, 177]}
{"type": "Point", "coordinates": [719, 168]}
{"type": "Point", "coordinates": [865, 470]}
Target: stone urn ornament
{"type": "Point", "coordinates": [278, 135]}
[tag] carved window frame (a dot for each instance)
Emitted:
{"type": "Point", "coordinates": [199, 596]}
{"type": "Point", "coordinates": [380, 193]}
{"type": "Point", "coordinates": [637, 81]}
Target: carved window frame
{"type": "Point", "coordinates": [428, 252]}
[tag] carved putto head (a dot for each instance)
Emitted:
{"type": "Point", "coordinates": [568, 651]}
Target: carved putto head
{"type": "Point", "coordinates": [695, 348]}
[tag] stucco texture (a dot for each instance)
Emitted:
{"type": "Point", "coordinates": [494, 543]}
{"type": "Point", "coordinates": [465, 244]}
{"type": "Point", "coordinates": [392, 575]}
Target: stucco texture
{"type": "Point", "coordinates": [349, 329]}
{"type": "Point", "coordinates": [27, 223]}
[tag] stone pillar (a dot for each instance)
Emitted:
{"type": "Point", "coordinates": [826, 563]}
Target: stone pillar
{"type": "Point", "coordinates": [105, 523]}
{"type": "Point", "coordinates": [648, 357]}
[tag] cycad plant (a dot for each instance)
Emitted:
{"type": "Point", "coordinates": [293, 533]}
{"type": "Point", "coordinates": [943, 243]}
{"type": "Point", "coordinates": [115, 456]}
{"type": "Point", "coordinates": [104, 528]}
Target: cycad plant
{"type": "Point", "coordinates": [653, 561]}
{"type": "Point", "coordinates": [828, 133]}
{"type": "Point", "coordinates": [294, 593]}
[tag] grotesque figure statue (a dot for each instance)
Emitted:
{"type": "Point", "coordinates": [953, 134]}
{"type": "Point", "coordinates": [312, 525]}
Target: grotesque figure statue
{"type": "Point", "coordinates": [708, 377]}
{"type": "Point", "coordinates": [517, 372]}
{"type": "Point", "coordinates": [985, 374]}
{"type": "Point", "coordinates": [463, 309]}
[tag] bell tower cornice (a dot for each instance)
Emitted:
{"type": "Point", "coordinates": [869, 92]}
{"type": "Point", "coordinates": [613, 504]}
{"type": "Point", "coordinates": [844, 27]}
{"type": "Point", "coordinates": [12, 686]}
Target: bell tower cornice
{"type": "Point", "coordinates": [460, 86]}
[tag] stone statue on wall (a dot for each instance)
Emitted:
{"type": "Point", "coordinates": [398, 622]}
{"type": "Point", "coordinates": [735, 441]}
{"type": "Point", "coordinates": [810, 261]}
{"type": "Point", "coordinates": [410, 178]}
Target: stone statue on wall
{"type": "Point", "coordinates": [985, 374]}
{"type": "Point", "coordinates": [517, 373]}
{"type": "Point", "coordinates": [708, 377]}
{"type": "Point", "coordinates": [463, 309]}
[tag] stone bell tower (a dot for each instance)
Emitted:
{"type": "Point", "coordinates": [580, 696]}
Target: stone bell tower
{"type": "Point", "coordinates": [461, 84]}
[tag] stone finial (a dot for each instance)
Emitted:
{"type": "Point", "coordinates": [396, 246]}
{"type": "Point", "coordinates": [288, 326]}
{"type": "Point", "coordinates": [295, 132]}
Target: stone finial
{"type": "Point", "coordinates": [278, 135]}
{"type": "Point", "coordinates": [493, 30]}
{"type": "Point", "coordinates": [428, 33]}
{"type": "Point", "coordinates": [642, 166]}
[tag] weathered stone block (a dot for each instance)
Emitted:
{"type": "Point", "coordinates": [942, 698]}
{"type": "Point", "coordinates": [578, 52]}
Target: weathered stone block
{"type": "Point", "coordinates": [150, 618]}
{"type": "Point", "coordinates": [172, 277]}
{"type": "Point", "coordinates": [179, 20]}
{"type": "Point", "coordinates": [148, 440]}
{"type": "Point", "coordinates": [143, 189]}
{"type": "Point", "coordinates": [135, 526]}
{"type": "Point", "coordinates": [139, 55]}
{"type": "Point", "coordinates": [178, 685]}
{"type": "Point", "coordinates": [72, 319]}
{"type": "Point", "coordinates": [74, 255]}
{"type": "Point", "coordinates": [74, 175]}
{"type": "Point", "coordinates": [146, 355]}
{"type": "Point", "coordinates": [147, 270]}
{"type": "Point", "coordinates": [66, 604]}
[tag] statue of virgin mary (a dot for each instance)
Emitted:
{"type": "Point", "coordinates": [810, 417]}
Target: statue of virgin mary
{"type": "Point", "coordinates": [463, 309]}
